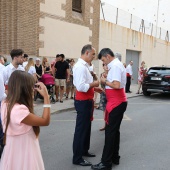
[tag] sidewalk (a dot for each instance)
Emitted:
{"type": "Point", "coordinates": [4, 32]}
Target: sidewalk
{"type": "Point", "coordinates": [69, 104]}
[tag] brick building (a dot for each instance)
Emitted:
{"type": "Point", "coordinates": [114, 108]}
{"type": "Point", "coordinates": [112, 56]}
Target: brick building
{"type": "Point", "coordinates": [48, 27]}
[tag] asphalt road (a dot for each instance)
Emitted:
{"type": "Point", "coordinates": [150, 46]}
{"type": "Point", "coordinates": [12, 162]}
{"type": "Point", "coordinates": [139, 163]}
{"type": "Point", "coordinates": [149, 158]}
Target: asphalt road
{"type": "Point", "coordinates": [145, 137]}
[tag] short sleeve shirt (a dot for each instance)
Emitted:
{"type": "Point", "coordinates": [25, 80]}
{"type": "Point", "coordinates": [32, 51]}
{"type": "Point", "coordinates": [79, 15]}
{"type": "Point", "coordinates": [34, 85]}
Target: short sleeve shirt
{"type": "Point", "coordinates": [18, 113]}
{"type": "Point", "coordinates": [117, 72]}
{"type": "Point", "coordinates": [61, 69]}
{"type": "Point", "coordinates": [32, 70]}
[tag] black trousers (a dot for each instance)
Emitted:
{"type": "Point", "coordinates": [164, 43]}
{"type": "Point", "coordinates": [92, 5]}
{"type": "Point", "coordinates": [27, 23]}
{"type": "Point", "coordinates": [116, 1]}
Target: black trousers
{"type": "Point", "coordinates": [112, 134]}
{"type": "Point", "coordinates": [81, 142]}
{"type": "Point", "coordinates": [128, 83]}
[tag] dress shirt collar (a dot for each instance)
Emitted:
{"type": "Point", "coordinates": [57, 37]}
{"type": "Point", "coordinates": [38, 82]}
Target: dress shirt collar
{"type": "Point", "coordinates": [113, 61]}
{"type": "Point", "coordinates": [11, 66]}
{"type": "Point", "coordinates": [82, 61]}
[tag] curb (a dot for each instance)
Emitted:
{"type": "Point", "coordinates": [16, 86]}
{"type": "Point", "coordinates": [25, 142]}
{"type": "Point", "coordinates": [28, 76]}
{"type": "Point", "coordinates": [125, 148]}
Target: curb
{"type": "Point", "coordinates": [72, 108]}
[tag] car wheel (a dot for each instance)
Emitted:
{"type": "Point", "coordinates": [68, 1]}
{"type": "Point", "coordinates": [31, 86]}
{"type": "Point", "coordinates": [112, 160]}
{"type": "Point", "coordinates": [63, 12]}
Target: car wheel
{"type": "Point", "coordinates": [146, 93]}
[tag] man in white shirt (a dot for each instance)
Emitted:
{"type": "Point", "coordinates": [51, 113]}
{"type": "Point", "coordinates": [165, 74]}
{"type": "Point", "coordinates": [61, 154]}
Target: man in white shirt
{"type": "Point", "coordinates": [83, 81]}
{"type": "Point", "coordinates": [129, 77]}
{"type": "Point", "coordinates": [1, 64]}
{"type": "Point", "coordinates": [115, 108]}
{"type": "Point", "coordinates": [17, 56]}
{"type": "Point", "coordinates": [25, 60]}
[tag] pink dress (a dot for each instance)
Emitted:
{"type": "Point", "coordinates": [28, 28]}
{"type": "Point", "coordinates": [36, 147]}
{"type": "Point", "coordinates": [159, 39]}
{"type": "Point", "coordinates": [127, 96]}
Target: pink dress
{"type": "Point", "coordinates": [22, 150]}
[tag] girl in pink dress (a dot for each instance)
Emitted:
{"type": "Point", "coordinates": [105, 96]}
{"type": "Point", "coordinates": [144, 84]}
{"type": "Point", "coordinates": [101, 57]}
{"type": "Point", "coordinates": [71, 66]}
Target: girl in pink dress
{"type": "Point", "coordinates": [21, 125]}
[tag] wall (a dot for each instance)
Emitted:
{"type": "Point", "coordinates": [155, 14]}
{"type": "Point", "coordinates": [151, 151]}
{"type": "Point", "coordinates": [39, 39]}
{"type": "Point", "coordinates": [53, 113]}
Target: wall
{"type": "Point", "coordinates": [119, 39]}
{"type": "Point", "coordinates": [65, 31]}
{"type": "Point", "coordinates": [19, 26]}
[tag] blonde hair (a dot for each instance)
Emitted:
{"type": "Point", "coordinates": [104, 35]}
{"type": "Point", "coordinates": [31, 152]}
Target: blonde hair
{"type": "Point", "coordinates": [30, 63]}
{"type": "Point", "coordinates": [44, 60]}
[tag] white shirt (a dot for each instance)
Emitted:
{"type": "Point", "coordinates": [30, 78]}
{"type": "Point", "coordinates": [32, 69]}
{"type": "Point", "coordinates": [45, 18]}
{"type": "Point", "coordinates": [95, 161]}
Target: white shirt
{"type": "Point", "coordinates": [129, 69]}
{"type": "Point", "coordinates": [2, 89]}
{"type": "Point", "coordinates": [117, 72]}
{"type": "Point", "coordinates": [8, 70]}
{"type": "Point", "coordinates": [32, 70]}
{"type": "Point", "coordinates": [1, 68]}
{"type": "Point", "coordinates": [24, 63]}
{"type": "Point", "coordinates": [82, 76]}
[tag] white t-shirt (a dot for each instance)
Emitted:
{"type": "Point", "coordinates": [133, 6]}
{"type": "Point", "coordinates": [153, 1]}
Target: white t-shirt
{"type": "Point", "coordinates": [24, 63]}
{"type": "Point", "coordinates": [8, 70]}
{"type": "Point", "coordinates": [117, 72]}
{"type": "Point", "coordinates": [32, 70]}
{"type": "Point", "coordinates": [129, 69]}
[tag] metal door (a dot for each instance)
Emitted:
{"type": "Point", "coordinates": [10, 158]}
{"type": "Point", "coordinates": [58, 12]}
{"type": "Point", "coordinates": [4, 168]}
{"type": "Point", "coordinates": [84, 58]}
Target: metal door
{"type": "Point", "coordinates": [134, 56]}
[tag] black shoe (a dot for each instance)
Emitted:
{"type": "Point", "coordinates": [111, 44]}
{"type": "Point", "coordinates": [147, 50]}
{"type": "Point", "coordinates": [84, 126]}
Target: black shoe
{"type": "Point", "coordinates": [116, 160]}
{"type": "Point", "coordinates": [83, 163]}
{"type": "Point", "coordinates": [101, 166]}
{"type": "Point", "coordinates": [89, 154]}
{"type": "Point", "coordinates": [61, 101]}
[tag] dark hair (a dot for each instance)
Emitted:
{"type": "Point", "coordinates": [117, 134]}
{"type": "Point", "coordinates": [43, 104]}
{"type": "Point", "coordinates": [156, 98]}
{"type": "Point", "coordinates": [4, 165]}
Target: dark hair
{"type": "Point", "coordinates": [25, 55]}
{"type": "Point", "coordinates": [20, 90]}
{"type": "Point", "coordinates": [87, 47]}
{"type": "Point", "coordinates": [62, 55]}
{"type": "Point", "coordinates": [68, 60]}
{"type": "Point", "coordinates": [16, 53]}
{"type": "Point", "coordinates": [58, 55]}
{"type": "Point", "coordinates": [71, 60]}
{"type": "Point", "coordinates": [104, 52]}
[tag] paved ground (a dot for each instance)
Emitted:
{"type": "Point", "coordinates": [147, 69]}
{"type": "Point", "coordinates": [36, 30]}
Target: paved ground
{"type": "Point", "coordinates": [145, 134]}
{"type": "Point", "coordinates": [69, 104]}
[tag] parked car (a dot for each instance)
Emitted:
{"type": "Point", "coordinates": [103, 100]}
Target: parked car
{"type": "Point", "coordinates": [156, 80]}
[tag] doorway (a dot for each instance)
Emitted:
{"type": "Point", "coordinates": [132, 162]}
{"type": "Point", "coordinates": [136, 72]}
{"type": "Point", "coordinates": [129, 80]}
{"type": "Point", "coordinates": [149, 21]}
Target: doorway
{"type": "Point", "coordinates": [134, 56]}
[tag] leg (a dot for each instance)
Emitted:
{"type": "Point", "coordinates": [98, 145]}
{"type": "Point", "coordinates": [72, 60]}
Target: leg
{"type": "Point", "coordinates": [72, 92]}
{"type": "Point", "coordinates": [67, 91]}
{"type": "Point", "coordinates": [83, 124]}
{"type": "Point", "coordinates": [61, 92]}
{"type": "Point", "coordinates": [112, 129]}
{"type": "Point", "coordinates": [56, 88]}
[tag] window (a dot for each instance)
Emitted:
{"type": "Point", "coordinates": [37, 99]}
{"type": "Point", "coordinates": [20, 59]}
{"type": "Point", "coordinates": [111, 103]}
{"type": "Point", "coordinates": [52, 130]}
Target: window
{"type": "Point", "coordinates": [76, 6]}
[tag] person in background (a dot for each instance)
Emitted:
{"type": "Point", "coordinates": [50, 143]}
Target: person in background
{"type": "Point", "coordinates": [62, 75]}
{"type": "Point", "coordinates": [39, 68]}
{"type": "Point", "coordinates": [30, 68]}
{"type": "Point", "coordinates": [70, 85]}
{"type": "Point", "coordinates": [25, 60]}
{"type": "Point", "coordinates": [2, 62]}
{"type": "Point", "coordinates": [116, 106]}
{"type": "Point", "coordinates": [2, 96]}
{"type": "Point", "coordinates": [17, 56]}
{"type": "Point", "coordinates": [141, 74]}
{"type": "Point", "coordinates": [53, 64]}
{"type": "Point", "coordinates": [129, 77]}
{"type": "Point", "coordinates": [47, 68]}
{"type": "Point", "coordinates": [6, 62]}
{"type": "Point", "coordinates": [44, 60]}
{"type": "Point", "coordinates": [103, 100]}
{"type": "Point", "coordinates": [21, 125]}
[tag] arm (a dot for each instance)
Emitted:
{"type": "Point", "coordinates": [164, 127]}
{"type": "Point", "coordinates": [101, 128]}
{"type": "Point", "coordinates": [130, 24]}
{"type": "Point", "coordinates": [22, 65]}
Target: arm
{"type": "Point", "coordinates": [68, 75]}
{"type": "Point", "coordinates": [2, 89]}
{"type": "Point", "coordinates": [34, 120]}
{"type": "Point", "coordinates": [113, 79]}
{"type": "Point", "coordinates": [79, 80]}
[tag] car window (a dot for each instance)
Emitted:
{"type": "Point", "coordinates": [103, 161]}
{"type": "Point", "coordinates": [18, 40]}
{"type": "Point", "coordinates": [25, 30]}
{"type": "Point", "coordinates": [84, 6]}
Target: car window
{"type": "Point", "coordinates": [159, 71]}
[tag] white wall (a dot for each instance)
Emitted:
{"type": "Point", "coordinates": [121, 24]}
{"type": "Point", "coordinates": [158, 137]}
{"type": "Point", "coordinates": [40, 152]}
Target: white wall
{"type": "Point", "coordinates": [119, 39]}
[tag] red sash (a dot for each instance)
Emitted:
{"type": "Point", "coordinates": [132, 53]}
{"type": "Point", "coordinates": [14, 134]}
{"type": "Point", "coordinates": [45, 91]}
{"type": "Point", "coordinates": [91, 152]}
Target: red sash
{"type": "Point", "coordinates": [114, 98]}
{"type": "Point", "coordinates": [89, 95]}
{"type": "Point", "coordinates": [128, 75]}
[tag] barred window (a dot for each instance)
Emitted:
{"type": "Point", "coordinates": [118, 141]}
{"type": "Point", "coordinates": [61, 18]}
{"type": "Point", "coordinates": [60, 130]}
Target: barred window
{"type": "Point", "coordinates": [76, 6]}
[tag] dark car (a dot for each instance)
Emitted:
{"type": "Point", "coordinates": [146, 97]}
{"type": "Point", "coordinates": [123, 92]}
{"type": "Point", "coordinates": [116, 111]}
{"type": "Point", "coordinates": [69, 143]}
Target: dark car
{"type": "Point", "coordinates": [156, 80]}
